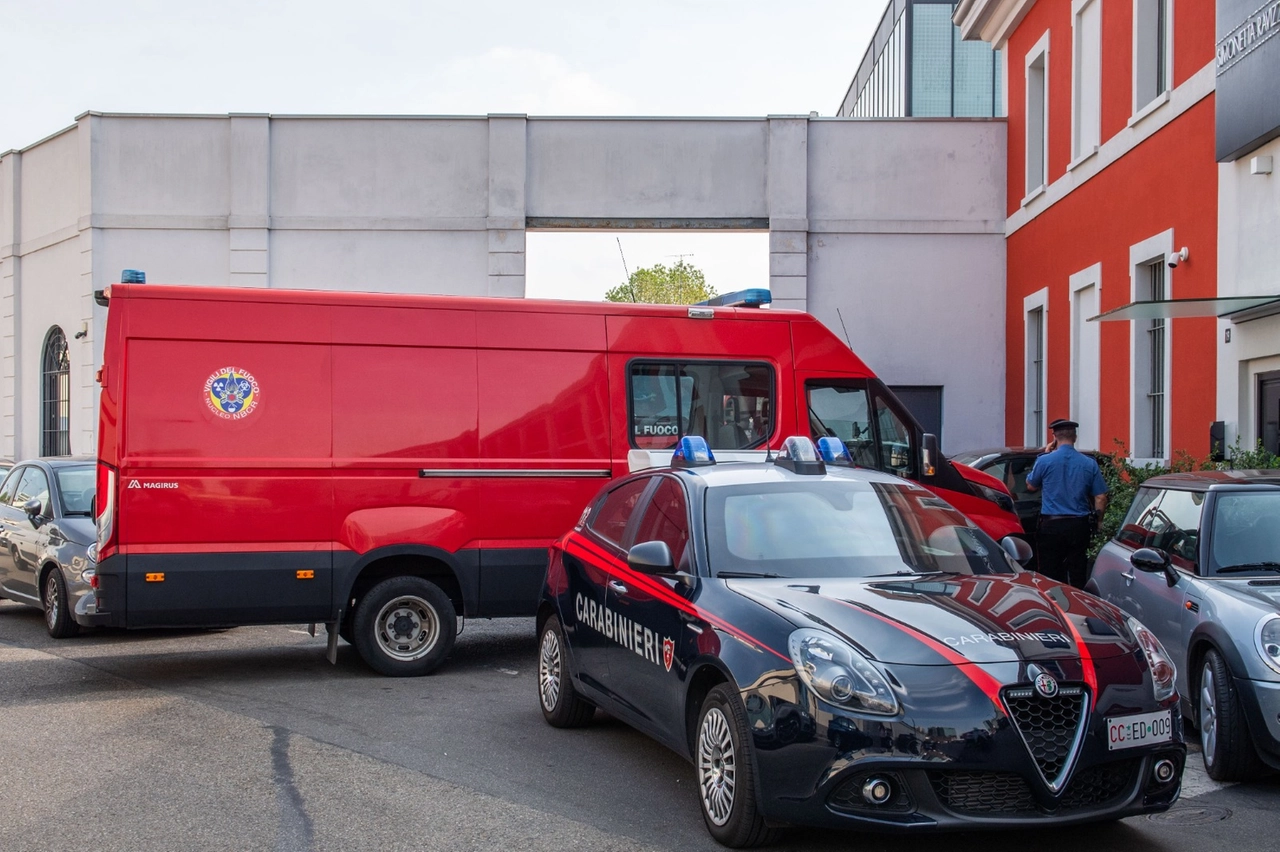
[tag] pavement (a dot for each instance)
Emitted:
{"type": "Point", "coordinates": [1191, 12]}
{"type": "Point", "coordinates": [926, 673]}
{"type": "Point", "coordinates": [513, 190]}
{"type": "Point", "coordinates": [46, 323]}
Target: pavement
{"type": "Point", "coordinates": [248, 739]}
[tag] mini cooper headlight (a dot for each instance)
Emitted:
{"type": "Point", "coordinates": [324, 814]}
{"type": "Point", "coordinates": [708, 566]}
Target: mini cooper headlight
{"type": "Point", "coordinates": [1268, 640]}
{"type": "Point", "coordinates": [839, 674]}
{"type": "Point", "coordinates": [1163, 671]}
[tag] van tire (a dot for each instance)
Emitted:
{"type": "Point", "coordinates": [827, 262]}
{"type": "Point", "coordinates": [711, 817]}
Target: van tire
{"type": "Point", "coordinates": [404, 627]}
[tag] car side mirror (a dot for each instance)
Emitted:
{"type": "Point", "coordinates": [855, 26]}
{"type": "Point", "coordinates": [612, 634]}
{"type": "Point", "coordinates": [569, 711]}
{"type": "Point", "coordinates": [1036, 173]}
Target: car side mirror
{"type": "Point", "coordinates": [930, 455]}
{"type": "Point", "coordinates": [1153, 560]}
{"type": "Point", "coordinates": [32, 508]}
{"type": "Point", "coordinates": [651, 557]}
{"type": "Point", "coordinates": [1019, 551]}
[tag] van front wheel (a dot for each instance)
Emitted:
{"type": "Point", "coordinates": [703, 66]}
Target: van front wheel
{"type": "Point", "coordinates": [404, 627]}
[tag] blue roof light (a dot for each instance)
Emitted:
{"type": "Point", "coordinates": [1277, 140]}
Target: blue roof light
{"type": "Point", "coordinates": [753, 298]}
{"type": "Point", "coordinates": [692, 451]}
{"type": "Point", "coordinates": [834, 451]}
{"type": "Point", "coordinates": [799, 454]}
{"type": "Point", "coordinates": [133, 276]}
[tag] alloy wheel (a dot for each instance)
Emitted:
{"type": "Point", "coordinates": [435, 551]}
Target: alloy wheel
{"type": "Point", "coordinates": [1208, 714]}
{"type": "Point", "coordinates": [549, 671]}
{"type": "Point", "coordinates": [717, 766]}
{"type": "Point", "coordinates": [52, 601]}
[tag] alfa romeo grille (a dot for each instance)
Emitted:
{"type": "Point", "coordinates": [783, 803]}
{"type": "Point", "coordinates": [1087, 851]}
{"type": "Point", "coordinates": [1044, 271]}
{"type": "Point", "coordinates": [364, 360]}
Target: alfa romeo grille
{"type": "Point", "coordinates": [1051, 728]}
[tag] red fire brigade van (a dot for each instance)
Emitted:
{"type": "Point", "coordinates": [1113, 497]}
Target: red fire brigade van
{"type": "Point", "coordinates": [385, 463]}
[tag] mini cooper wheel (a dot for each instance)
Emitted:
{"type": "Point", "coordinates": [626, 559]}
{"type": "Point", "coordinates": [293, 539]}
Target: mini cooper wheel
{"type": "Point", "coordinates": [1224, 734]}
{"type": "Point", "coordinates": [57, 613]}
{"type": "Point", "coordinates": [404, 627]}
{"type": "Point", "coordinates": [726, 778]}
{"type": "Point", "coordinates": [561, 705]}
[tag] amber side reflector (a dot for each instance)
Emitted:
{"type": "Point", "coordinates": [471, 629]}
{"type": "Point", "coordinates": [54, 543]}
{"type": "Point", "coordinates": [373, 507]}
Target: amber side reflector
{"type": "Point", "coordinates": [155, 578]}
{"type": "Point", "coordinates": [306, 575]}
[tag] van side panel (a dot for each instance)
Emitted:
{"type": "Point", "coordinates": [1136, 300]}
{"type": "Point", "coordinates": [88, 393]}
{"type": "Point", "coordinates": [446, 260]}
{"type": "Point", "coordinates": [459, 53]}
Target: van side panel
{"type": "Point", "coordinates": [405, 433]}
{"type": "Point", "coordinates": [544, 416]}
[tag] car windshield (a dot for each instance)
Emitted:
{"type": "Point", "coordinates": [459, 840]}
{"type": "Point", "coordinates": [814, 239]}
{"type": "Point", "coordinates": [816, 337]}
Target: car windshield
{"type": "Point", "coordinates": [843, 528]}
{"type": "Point", "coordinates": [76, 485]}
{"type": "Point", "coordinates": [1245, 531]}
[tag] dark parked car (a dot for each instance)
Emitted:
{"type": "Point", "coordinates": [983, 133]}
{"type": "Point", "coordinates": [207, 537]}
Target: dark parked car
{"type": "Point", "coordinates": [1011, 465]}
{"type": "Point", "coordinates": [1198, 561]}
{"type": "Point", "coordinates": [838, 647]}
{"type": "Point", "coordinates": [48, 545]}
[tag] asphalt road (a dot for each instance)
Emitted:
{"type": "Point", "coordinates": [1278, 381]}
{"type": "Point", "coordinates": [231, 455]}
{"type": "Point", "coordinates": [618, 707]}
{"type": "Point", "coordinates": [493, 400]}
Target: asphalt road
{"type": "Point", "coordinates": [248, 739]}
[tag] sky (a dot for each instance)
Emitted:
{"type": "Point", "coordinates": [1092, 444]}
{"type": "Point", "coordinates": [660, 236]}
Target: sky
{"type": "Point", "coordinates": [59, 58]}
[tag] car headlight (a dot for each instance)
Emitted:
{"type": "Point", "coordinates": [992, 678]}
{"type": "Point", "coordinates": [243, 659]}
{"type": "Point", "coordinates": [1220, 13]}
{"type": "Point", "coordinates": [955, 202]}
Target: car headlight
{"type": "Point", "coordinates": [1004, 501]}
{"type": "Point", "coordinates": [1163, 671]}
{"type": "Point", "coordinates": [839, 674]}
{"type": "Point", "coordinates": [1267, 639]}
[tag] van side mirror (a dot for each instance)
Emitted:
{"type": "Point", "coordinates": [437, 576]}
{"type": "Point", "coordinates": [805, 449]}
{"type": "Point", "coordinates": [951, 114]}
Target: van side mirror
{"type": "Point", "coordinates": [651, 557]}
{"type": "Point", "coordinates": [929, 455]}
{"type": "Point", "coordinates": [1153, 560]}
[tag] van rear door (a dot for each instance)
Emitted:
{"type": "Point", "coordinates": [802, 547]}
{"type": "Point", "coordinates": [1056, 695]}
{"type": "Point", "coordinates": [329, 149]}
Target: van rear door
{"type": "Point", "coordinates": [226, 479]}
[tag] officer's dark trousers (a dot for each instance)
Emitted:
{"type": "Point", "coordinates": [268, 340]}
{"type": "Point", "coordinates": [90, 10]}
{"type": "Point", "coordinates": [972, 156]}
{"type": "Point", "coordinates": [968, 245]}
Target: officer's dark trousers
{"type": "Point", "coordinates": [1061, 548]}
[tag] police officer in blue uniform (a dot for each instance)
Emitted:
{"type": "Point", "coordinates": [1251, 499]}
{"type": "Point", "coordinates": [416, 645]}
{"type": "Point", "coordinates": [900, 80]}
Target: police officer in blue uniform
{"type": "Point", "coordinates": [1075, 496]}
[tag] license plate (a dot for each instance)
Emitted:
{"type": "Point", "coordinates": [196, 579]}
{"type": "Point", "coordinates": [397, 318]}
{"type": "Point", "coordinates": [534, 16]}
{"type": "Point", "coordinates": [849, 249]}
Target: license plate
{"type": "Point", "coordinates": [1143, 729]}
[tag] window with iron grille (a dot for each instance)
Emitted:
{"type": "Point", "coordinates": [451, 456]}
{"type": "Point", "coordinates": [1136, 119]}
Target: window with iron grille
{"type": "Point", "coordinates": [1035, 359]}
{"type": "Point", "coordinates": [1156, 344]}
{"type": "Point", "coordinates": [55, 396]}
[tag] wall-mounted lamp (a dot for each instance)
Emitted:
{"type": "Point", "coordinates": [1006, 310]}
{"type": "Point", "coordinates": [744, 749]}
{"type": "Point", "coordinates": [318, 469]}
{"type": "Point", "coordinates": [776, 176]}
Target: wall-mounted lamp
{"type": "Point", "coordinates": [1260, 165]}
{"type": "Point", "coordinates": [83, 332]}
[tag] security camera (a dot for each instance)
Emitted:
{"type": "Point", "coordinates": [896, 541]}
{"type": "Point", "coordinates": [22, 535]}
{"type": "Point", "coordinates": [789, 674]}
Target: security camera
{"type": "Point", "coordinates": [1176, 257]}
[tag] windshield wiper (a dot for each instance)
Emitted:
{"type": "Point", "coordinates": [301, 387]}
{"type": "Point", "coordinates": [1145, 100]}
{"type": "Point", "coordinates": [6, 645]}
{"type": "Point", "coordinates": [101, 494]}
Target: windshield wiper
{"type": "Point", "coordinates": [1250, 566]}
{"type": "Point", "coordinates": [740, 575]}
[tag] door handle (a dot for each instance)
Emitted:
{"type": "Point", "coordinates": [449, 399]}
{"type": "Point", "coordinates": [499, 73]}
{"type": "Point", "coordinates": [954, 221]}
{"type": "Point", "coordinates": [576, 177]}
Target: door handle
{"type": "Point", "coordinates": [617, 587]}
{"type": "Point", "coordinates": [1128, 578]}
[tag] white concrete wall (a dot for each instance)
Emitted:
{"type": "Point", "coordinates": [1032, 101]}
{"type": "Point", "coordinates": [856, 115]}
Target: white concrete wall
{"type": "Point", "coordinates": [896, 223]}
{"type": "Point", "coordinates": [1248, 265]}
{"type": "Point", "coordinates": [906, 240]}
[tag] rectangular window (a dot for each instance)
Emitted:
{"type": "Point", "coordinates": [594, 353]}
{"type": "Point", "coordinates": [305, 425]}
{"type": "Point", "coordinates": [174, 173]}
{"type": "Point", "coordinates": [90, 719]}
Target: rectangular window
{"type": "Point", "coordinates": [1150, 51]}
{"type": "Point", "coordinates": [1037, 119]}
{"type": "Point", "coordinates": [1087, 79]}
{"type": "Point", "coordinates": [731, 405]}
{"type": "Point", "coordinates": [1151, 347]}
{"type": "Point", "coordinates": [1035, 376]}
{"type": "Point", "coordinates": [931, 43]}
{"type": "Point", "coordinates": [1159, 369]}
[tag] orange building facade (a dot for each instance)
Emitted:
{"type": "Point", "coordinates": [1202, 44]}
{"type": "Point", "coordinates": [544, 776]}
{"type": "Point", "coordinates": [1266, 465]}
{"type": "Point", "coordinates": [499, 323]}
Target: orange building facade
{"type": "Point", "coordinates": [1111, 174]}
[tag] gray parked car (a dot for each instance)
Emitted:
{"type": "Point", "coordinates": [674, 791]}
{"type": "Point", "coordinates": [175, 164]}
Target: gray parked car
{"type": "Point", "coordinates": [48, 548]}
{"type": "Point", "coordinates": [1198, 562]}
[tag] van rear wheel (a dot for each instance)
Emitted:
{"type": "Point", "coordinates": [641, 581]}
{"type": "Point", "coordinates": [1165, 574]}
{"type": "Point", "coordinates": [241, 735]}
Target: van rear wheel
{"type": "Point", "coordinates": [404, 627]}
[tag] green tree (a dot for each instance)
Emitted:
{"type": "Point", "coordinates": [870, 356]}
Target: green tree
{"type": "Point", "coordinates": [682, 284]}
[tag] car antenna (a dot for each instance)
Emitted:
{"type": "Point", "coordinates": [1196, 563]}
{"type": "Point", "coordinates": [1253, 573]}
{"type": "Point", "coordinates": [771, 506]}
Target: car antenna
{"type": "Point", "coordinates": [838, 314]}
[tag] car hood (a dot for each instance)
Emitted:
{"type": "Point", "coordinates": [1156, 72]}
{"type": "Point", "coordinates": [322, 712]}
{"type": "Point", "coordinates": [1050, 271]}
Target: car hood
{"type": "Point", "coordinates": [79, 530]}
{"type": "Point", "coordinates": [945, 619]}
{"type": "Point", "coordinates": [1257, 591]}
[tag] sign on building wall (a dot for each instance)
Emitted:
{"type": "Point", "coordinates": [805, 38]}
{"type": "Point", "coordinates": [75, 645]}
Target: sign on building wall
{"type": "Point", "coordinates": [1248, 76]}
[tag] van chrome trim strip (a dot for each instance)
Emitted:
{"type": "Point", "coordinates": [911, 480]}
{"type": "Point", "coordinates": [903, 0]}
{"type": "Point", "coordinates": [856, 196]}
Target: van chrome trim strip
{"type": "Point", "coordinates": [512, 473]}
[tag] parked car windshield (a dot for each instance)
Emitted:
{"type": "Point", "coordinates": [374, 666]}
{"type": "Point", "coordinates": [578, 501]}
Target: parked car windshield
{"type": "Point", "coordinates": [1245, 531]}
{"type": "Point", "coordinates": [843, 528]}
{"type": "Point", "coordinates": [76, 485]}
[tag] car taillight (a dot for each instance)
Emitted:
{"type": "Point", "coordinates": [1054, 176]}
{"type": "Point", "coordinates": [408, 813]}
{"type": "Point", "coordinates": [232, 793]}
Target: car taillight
{"type": "Point", "coordinates": [106, 519]}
